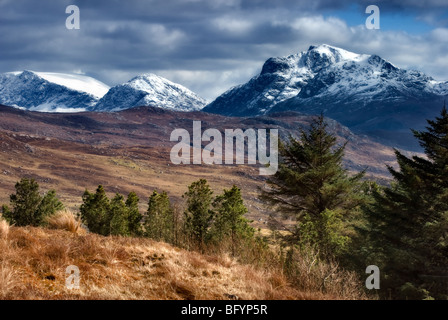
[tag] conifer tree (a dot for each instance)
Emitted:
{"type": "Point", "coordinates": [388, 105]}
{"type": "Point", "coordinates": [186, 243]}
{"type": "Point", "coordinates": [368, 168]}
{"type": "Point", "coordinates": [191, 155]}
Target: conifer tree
{"type": "Point", "coordinates": [159, 222]}
{"type": "Point", "coordinates": [229, 219]}
{"type": "Point", "coordinates": [313, 186]}
{"type": "Point", "coordinates": [95, 211]}
{"type": "Point", "coordinates": [118, 216]}
{"type": "Point", "coordinates": [28, 206]}
{"type": "Point", "coordinates": [408, 221]}
{"type": "Point", "coordinates": [198, 215]}
{"type": "Point", "coordinates": [49, 205]}
{"type": "Point", "coordinates": [134, 215]}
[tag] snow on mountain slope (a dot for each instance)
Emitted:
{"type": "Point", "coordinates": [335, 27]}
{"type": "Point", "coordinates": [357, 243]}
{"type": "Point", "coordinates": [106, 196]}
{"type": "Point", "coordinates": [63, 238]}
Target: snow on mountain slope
{"type": "Point", "coordinates": [77, 82]}
{"type": "Point", "coordinates": [50, 92]}
{"type": "Point", "coordinates": [323, 74]}
{"type": "Point", "coordinates": [150, 90]}
{"type": "Point", "coordinates": [363, 92]}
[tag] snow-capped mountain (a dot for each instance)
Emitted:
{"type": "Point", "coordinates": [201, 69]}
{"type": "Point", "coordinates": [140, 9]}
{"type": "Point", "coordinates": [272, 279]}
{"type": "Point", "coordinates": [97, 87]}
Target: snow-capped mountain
{"type": "Point", "coordinates": [150, 90]}
{"type": "Point", "coordinates": [363, 92]}
{"type": "Point", "coordinates": [50, 92]}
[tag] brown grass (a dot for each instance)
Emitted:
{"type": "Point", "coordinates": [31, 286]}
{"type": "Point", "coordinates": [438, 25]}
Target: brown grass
{"type": "Point", "coordinates": [65, 220]}
{"type": "Point", "coordinates": [6, 280]}
{"type": "Point", "coordinates": [4, 228]}
{"type": "Point", "coordinates": [309, 273]}
{"type": "Point", "coordinates": [34, 260]}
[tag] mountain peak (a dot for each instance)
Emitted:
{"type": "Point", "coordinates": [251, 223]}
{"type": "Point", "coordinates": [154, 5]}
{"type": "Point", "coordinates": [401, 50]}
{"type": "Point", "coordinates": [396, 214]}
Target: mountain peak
{"type": "Point", "coordinates": [60, 92]}
{"type": "Point", "coordinates": [150, 90]}
{"type": "Point", "coordinates": [75, 82]}
{"type": "Point", "coordinates": [359, 90]}
{"type": "Point", "coordinates": [314, 59]}
{"type": "Point", "coordinates": [321, 56]}
{"type": "Point", "coordinates": [150, 82]}
{"type": "Point", "coordinates": [148, 75]}
{"type": "Point", "coordinates": [49, 91]}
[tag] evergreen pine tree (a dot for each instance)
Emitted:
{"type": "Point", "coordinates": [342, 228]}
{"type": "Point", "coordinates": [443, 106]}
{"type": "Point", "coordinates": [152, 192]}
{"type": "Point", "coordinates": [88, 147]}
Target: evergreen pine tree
{"type": "Point", "coordinates": [134, 215]}
{"type": "Point", "coordinates": [95, 211]}
{"type": "Point", "coordinates": [312, 185]}
{"type": "Point", "coordinates": [229, 219]}
{"type": "Point", "coordinates": [408, 222]}
{"type": "Point", "coordinates": [28, 206]}
{"type": "Point", "coordinates": [49, 205]}
{"type": "Point", "coordinates": [198, 215]}
{"type": "Point", "coordinates": [159, 222]}
{"type": "Point", "coordinates": [118, 217]}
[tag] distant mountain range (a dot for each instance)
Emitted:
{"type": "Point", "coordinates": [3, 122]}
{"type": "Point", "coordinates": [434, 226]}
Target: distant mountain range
{"type": "Point", "coordinates": [364, 92]}
{"type": "Point", "coordinates": [57, 92]}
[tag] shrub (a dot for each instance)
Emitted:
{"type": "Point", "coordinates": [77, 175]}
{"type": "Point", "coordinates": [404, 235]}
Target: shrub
{"type": "Point", "coordinates": [310, 273]}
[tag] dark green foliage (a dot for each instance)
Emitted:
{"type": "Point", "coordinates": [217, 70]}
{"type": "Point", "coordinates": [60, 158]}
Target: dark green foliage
{"type": "Point", "coordinates": [95, 211]}
{"type": "Point", "coordinates": [327, 232]}
{"type": "Point", "coordinates": [159, 223]}
{"type": "Point", "coordinates": [28, 206]}
{"type": "Point", "coordinates": [111, 217]}
{"type": "Point", "coordinates": [312, 185]}
{"type": "Point", "coordinates": [49, 205]}
{"type": "Point", "coordinates": [134, 215]}
{"type": "Point", "coordinates": [118, 216]}
{"type": "Point", "coordinates": [198, 216]}
{"type": "Point", "coordinates": [229, 222]}
{"type": "Point", "coordinates": [408, 222]}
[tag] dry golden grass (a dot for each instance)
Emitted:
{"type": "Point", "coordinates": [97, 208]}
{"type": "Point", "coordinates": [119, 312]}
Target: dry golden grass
{"type": "Point", "coordinates": [34, 261]}
{"type": "Point", "coordinates": [65, 220]}
{"type": "Point", "coordinates": [6, 280]}
{"type": "Point", "coordinates": [4, 228]}
{"type": "Point", "coordinates": [309, 273]}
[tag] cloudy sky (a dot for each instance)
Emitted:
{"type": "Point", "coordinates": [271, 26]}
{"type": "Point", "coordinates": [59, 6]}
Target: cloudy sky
{"type": "Point", "coordinates": [212, 45]}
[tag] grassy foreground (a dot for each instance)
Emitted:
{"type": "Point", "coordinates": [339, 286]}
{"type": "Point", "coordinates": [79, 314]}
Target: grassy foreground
{"type": "Point", "coordinates": [33, 262]}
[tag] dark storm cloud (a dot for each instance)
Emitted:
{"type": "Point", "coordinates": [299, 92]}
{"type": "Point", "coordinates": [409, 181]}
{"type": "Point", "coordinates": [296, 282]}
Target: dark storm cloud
{"type": "Point", "coordinates": [207, 45]}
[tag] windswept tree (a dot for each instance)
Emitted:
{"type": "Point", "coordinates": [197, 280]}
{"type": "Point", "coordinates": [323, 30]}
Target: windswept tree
{"type": "Point", "coordinates": [198, 215]}
{"type": "Point", "coordinates": [312, 185]}
{"type": "Point", "coordinates": [159, 220]}
{"type": "Point", "coordinates": [408, 221]}
{"type": "Point", "coordinates": [28, 206]}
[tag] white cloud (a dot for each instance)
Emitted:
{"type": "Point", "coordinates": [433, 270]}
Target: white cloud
{"type": "Point", "coordinates": [208, 46]}
{"type": "Point", "coordinates": [210, 84]}
{"type": "Point", "coordinates": [233, 25]}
